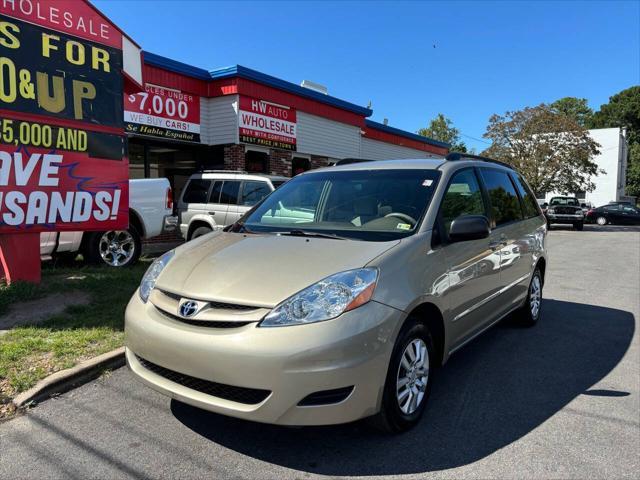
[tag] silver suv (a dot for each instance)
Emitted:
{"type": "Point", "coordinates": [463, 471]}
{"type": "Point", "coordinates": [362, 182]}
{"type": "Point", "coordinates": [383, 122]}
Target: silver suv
{"type": "Point", "coordinates": [216, 198]}
{"type": "Point", "coordinates": [336, 297]}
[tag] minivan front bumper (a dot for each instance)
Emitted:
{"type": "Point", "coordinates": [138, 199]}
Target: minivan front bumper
{"type": "Point", "coordinates": [286, 363]}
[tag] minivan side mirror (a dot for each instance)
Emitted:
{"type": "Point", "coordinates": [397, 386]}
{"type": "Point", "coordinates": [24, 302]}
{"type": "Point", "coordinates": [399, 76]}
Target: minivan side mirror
{"type": "Point", "coordinates": [469, 227]}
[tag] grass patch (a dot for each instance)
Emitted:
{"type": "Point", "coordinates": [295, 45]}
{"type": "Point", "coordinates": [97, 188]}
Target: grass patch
{"type": "Point", "coordinates": [30, 353]}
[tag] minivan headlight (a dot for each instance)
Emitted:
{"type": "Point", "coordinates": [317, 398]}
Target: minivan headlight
{"type": "Point", "coordinates": [326, 299]}
{"type": "Point", "coordinates": [148, 282]}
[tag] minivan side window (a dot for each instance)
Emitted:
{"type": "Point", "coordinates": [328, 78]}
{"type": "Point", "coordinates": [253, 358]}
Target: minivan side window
{"type": "Point", "coordinates": [215, 192]}
{"type": "Point", "coordinates": [253, 192]}
{"type": "Point", "coordinates": [196, 191]}
{"type": "Point", "coordinates": [463, 197]}
{"type": "Point", "coordinates": [505, 205]}
{"type": "Point", "coordinates": [529, 203]}
{"type": "Point", "coordinates": [229, 193]}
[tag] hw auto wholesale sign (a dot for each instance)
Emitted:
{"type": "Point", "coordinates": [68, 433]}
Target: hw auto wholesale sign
{"type": "Point", "coordinates": [62, 150]}
{"type": "Point", "coordinates": [267, 124]}
{"type": "Point", "coordinates": [163, 112]}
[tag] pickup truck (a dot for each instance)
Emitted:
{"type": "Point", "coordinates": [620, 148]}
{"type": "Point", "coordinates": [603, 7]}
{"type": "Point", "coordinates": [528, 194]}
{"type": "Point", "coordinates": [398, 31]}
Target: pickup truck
{"type": "Point", "coordinates": [150, 214]}
{"type": "Point", "coordinates": [564, 210]}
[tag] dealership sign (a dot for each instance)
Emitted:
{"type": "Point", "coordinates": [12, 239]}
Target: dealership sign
{"type": "Point", "coordinates": [267, 124]}
{"type": "Point", "coordinates": [62, 144]}
{"type": "Point", "coordinates": [163, 112]}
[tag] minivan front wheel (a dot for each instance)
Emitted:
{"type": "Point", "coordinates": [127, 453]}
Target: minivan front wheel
{"type": "Point", "coordinates": [531, 311]}
{"type": "Point", "coordinates": [408, 383]}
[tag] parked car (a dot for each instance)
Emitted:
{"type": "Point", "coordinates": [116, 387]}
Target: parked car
{"type": "Point", "coordinates": [614, 213]}
{"type": "Point", "coordinates": [565, 210]}
{"type": "Point", "coordinates": [586, 206]}
{"type": "Point", "coordinates": [217, 198]}
{"type": "Point", "coordinates": [150, 214]}
{"type": "Point", "coordinates": [332, 300]}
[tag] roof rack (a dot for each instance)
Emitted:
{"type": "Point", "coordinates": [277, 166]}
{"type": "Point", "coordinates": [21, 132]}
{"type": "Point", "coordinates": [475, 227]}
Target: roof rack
{"type": "Point", "coordinates": [223, 171]}
{"type": "Point", "coordinates": [347, 161]}
{"type": "Point", "coordinates": [456, 156]}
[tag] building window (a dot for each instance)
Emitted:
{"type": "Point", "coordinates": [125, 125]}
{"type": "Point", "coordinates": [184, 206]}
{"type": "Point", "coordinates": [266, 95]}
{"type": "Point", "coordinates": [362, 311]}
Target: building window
{"type": "Point", "coordinates": [299, 165]}
{"type": "Point", "coordinates": [257, 162]}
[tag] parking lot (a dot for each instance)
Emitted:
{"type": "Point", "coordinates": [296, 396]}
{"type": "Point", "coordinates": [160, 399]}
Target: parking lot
{"type": "Point", "coordinates": [561, 400]}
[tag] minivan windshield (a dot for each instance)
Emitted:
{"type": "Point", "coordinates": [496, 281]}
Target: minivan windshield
{"type": "Point", "coordinates": [372, 205]}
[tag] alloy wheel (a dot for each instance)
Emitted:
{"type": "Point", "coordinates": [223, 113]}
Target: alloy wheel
{"type": "Point", "coordinates": [117, 247]}
{"type": "Point", "coordinates": [535, 296]}
{"type": "Point", "coordinates": [413, 375]}
{"type": "Point", "coordinates": [601, 221]}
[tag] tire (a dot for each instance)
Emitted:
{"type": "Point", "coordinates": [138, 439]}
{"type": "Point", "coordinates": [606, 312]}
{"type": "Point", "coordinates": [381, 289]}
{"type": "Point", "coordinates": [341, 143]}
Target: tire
{"type": "Point", "coordinates": [200, 231]}
{"type": "Point", "coordinates": [114, 248]}
{"type": "Point", "coordinates": [578, 226]}
{"type": "Point", "coordinates": [528, 316]}
{"type": "Point", "coordinates": [396, 415]}
{"type": "Point", "coordinates": [601, 220]}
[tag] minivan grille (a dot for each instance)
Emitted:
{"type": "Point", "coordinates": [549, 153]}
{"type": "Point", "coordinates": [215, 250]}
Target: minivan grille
{"type": "Point", "coordinates": [214, 305]}
{"type": "Point", "coordinates": [202, 323]}
{"type": "Point", "coordinates": [248, 396]}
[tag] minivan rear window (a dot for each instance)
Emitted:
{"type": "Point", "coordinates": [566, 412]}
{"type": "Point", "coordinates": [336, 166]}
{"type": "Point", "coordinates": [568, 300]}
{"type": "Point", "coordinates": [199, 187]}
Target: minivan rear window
{"type": "Point", "coordinates": [529, 202]}
{"type": "Point", "coordinates": [505, 205]}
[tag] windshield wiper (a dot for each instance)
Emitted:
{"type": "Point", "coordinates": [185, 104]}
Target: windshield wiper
{"type": "Point", "coordinates": [305, 233]}
{"type": "Point", "coordinates": [238, 227]}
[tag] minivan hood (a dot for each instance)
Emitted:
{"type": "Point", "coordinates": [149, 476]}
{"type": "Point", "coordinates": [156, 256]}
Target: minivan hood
{"type": "Point", "coordinates": [260, 270]}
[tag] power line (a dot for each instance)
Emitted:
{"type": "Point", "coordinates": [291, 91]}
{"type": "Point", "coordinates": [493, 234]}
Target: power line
{"type": "Point", "coordinates": [474, 138]}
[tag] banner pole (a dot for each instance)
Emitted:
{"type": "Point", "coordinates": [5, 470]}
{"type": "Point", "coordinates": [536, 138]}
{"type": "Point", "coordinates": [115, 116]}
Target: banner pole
{"type": "Point", "coordinates": [20, 257]}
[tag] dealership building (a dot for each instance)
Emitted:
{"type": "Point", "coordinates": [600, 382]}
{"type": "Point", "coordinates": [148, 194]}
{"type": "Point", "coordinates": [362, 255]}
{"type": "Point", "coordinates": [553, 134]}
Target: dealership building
{"type": "Point", "coordinates": [235, 118]}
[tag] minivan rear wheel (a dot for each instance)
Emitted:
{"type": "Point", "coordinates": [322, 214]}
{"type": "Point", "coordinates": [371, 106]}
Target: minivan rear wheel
{"type": "Point", "coordinates": [408, 382]}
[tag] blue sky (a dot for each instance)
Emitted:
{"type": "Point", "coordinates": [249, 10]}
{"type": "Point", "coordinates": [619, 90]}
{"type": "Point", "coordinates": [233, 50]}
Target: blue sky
{"type": "Point", "coordinates": [489, 57]}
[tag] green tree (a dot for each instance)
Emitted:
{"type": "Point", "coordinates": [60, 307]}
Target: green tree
{"type": "Point", "coordinates": [633, 171]}
{"type": "Point", "coordinates": [442, 129]}
{"type": "Point", "coordinates": [576, 108]}
{"type": "Point", "coordinates": [623, 110]}
{"type": "Point", "coordinates": [551, 150]}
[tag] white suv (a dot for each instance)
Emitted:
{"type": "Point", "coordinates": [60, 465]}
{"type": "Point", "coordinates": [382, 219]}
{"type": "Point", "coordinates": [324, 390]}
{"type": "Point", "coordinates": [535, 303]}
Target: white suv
{"type": "Point", "coordinates": [214, 199]}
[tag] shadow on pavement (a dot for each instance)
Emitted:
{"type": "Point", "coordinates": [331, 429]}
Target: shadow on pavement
{"type": "Point", "coordinates": [490, 394]}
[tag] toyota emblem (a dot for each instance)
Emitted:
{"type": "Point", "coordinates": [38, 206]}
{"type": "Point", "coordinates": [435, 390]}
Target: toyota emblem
{"type": "Point", "coordinates": [188, 308]}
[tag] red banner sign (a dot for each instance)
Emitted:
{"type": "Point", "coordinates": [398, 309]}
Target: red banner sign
{"type": "Point", "coordinates": [62, 144]}
{"type": "Point", "coordinates": [267, 124]}
{"type": "Point", "coordinates": [163, 112]}
{"type": "Point", "coordinates": [75, 17]}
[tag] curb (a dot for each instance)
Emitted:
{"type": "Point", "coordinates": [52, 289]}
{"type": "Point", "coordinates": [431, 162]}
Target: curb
{"type": "Point", "coordinates": [64, 380]}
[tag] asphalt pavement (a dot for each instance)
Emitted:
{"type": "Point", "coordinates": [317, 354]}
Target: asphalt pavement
{"type": "Point", "coordinates": [560, 400]}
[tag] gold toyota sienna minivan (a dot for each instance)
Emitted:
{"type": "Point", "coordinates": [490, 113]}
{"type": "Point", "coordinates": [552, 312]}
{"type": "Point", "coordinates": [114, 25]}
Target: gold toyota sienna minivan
{"type": "Point", "coordinates": [336, 297]}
